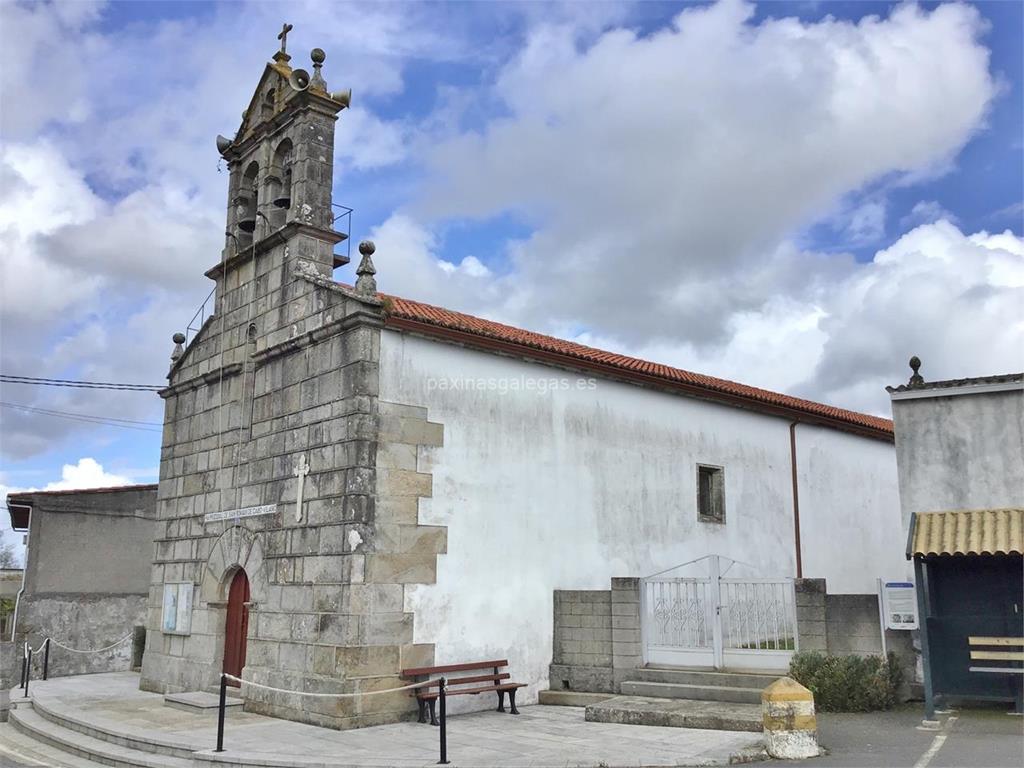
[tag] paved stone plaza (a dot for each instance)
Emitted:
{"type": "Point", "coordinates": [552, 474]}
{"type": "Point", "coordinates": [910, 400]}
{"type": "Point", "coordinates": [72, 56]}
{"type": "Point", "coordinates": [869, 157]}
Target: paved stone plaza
{"type": "Point", "coordinates": [540, 736]}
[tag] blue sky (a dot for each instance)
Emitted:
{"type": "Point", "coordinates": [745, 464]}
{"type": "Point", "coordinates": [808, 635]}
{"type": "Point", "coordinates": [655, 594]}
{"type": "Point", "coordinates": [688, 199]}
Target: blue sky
{"type": "Point", "coordinates": [794, 195]}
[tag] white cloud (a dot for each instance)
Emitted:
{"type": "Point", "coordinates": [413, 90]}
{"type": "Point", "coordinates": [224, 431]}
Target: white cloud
{"type": "Point", "coordinates": [865, 224]}
{"type": "Point", "coordinates": [953, 300]}
{"type": "Point", "coordinates": [927, 212]}
{"type": "Point", "coordinates": [87, 473]}
{"type": "Point", "coordinates": [674, 164]}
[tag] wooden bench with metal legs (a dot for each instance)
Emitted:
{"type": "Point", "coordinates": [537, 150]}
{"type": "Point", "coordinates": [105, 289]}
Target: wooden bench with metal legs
{"type": "Point", "coordinates": [1004, 656]}
{"type": "Point", "coordinates": [471, 685]}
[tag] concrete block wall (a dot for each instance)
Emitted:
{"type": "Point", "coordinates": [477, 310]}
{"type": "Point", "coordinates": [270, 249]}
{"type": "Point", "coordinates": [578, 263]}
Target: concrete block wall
{"type": "Point", "coordinates": [810, 614]}
{"type": "Point", "coordinates": [627, 652]}
{"type": "Point", "coordinates": [852, 624]}
{"type": "Point", "coordinates": [596, 637]}
{"type": "Point", "coordinates": [582, 649]}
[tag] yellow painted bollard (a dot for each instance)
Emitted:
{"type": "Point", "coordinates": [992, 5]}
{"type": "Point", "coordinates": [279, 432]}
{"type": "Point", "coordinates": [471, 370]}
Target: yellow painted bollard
{"type": "Point", "coordinates": [790, 729]}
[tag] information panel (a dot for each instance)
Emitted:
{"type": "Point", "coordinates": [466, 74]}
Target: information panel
{"type": "Point", "coordinates": [899, 604]}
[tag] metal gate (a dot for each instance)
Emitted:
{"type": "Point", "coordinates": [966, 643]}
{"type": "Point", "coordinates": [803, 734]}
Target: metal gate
{"type": "Point", "coordinates": [718, 622]}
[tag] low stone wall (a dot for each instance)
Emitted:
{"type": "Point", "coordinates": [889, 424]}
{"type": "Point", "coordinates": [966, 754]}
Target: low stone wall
{"type": "Point", "coordinates": [596, 637]}
{"type": "Point", "coordinates": [83, 622]}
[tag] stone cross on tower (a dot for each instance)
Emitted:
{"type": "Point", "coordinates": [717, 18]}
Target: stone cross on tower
{"type": "Point", "coordinates": [300, 471]}
{"type": "Point", "coordinates": [283, 37]}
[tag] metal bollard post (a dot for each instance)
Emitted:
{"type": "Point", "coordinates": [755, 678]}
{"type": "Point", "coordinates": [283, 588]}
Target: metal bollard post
{"type": "Point", "coordinates": [220, 713]}
{"type": "Point", "coordinates": [28, 670]}
{"type": "Point", "coordinates": [46, 659]}
{"type": "Point", "coordinates": [444, 723]}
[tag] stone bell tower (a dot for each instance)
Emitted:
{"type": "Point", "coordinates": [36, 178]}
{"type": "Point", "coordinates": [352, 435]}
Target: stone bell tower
{"type": "Point", "coordinates": [274, 561]}
{"type": "Point", "coordinates": [281, 164]}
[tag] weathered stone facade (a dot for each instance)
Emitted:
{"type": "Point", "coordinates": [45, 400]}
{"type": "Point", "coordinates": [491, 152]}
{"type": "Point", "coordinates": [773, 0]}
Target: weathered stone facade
{"type": "Point", "coordinates": [285, 375]}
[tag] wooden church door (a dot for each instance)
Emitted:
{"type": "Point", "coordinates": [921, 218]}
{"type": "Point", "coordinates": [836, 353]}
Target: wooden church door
{"type": "Point", "coordinates": [236, 625]}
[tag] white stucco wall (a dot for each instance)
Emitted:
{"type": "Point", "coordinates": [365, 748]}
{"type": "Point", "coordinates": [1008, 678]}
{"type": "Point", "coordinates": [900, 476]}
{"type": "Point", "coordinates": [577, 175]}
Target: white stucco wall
{"type": "Point", "coordinates": [566, 489]}
{"type": "Point", "coordinates": [849, 510]}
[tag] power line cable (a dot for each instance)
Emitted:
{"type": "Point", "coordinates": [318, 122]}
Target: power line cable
{"type": "Point", "coordinates": [12, 379]}
{"type": "Point", "coordinates": [110, 421]}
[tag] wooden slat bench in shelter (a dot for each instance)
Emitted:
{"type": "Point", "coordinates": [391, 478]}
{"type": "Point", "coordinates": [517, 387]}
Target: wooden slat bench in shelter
{"type": "Point", "coordinates": [1001, 656]}
{"type": "Point", "coordinates": [495, 681]}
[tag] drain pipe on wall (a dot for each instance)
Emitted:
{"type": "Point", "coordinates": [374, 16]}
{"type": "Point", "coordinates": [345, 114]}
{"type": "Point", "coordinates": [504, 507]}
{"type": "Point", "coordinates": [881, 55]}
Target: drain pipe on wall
{"type": "Point", "coordinates": [796, 499]}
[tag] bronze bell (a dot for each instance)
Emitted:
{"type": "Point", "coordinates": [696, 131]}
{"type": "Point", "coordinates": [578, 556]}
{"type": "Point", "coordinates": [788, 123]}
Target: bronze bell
{"type": "Point", "coordinates": [284, 198]}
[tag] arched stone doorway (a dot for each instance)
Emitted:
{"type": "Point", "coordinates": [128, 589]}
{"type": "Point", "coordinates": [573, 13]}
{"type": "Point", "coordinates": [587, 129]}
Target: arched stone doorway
{"type": "Point", "coordinates": [236, 625]}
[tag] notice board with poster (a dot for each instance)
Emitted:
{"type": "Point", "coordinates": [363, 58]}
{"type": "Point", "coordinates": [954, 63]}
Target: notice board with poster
{"type": "Point", "coordinates": [898, 603]}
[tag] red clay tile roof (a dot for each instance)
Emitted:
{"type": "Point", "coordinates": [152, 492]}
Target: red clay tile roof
{"type": "Point", "coordinates": [428, 319]}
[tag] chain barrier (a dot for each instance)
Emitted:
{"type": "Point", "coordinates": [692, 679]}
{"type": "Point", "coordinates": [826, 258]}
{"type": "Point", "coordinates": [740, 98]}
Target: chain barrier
{"type": "Point", "coordinates": [28, 652]}
{"type": "Point", "coordinates": [331, 695]}
{"type": "Point", "coordinates": [59, 644]}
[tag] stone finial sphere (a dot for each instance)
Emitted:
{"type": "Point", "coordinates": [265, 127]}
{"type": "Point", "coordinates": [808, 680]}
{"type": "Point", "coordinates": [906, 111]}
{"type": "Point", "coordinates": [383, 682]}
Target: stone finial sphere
{"type": "Point", "coordinates": [367, 248]}
{"type": "Point", "coordinates": [178, 338]}
{"type": "Point", "coordinates": [317, 55]}
{"type": "Point", "coordinates": [915, 363]}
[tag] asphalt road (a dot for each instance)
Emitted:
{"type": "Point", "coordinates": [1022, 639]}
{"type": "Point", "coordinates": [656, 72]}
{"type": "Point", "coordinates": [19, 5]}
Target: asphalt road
{"type": "Point", "coordinates": [968, 738]}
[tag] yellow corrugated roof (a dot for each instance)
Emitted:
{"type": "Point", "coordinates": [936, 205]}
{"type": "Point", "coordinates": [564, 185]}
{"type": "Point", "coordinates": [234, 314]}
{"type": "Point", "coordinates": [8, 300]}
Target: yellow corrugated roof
{"type": "Point", "coordinates": [969, 532]}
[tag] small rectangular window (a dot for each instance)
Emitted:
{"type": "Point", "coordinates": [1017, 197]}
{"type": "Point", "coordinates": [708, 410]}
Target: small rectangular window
{"type": "Point", "coordinates": [710, 494]}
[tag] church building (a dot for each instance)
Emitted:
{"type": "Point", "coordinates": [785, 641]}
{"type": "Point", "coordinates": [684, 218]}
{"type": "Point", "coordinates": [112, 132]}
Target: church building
{"type": "Point", "coordinates": [353, 483]}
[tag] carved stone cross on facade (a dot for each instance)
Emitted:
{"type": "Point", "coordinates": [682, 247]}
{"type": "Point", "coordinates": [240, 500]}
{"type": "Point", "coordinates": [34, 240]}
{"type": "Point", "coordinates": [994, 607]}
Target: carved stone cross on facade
{"type": "Point", "coordinates": [283, 37]}
{"type": "Point", "coordinates": [300, 471]}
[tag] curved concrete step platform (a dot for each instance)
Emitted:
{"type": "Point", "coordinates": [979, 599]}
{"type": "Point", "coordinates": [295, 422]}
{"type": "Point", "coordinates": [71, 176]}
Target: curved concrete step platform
{"type": "Point", "coordinates": [102, 717]}
{"type": "Point", "coordinates": [150, 743]}
{"type": "Point", "coordinates": [695, 692]}
{"type": "Point", "coordinates": [30, 723]}
{"type": "Point", "coordinates": [18, 749]}
{"type": "Point", "coordinates": [676, 713]}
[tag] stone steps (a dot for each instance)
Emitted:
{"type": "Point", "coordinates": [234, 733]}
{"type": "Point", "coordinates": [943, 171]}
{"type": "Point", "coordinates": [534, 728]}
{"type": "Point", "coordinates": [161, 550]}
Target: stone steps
{"type": "Point", "coordinates": [33, 725]}
{"type": "Point", "coordinates": [571, 698]}
{"type": "Point", "coordinates": [71, 722]}
{"type": "Point", "coordinates": [17, 749]}
{"type": "Point", "coordinates": [203, 703]}
{"type": "Point", "coordinates": [727, 678]}
{"type": "Point", "coordinates": [720, 693]}
{"type": "Point", "coordinates": [676, 713]}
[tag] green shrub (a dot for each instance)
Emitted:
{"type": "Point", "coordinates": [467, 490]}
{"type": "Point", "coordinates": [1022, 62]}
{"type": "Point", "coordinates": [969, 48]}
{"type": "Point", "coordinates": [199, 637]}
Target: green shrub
{"type": "Point", "coordinates": [848, 683]}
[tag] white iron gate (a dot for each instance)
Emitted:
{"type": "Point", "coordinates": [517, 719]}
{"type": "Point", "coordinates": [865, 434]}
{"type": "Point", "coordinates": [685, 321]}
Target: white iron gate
{"type": "Point", "coordinates": [718, 622]}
